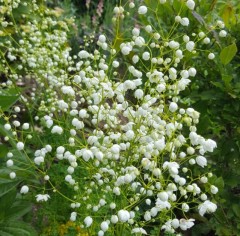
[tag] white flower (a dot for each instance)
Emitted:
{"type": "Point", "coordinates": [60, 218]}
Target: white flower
{"type": "Point", "coordinates": [213, 189]}
{"type": "Point", "coordinates": [156, 172]}
{"type": "Point", "coordinates": [88, 221]}
{"type": "Point", "coordinates": [178, 19]}
{"type": "Point", "coordinates": [220, 24]}
{"type": "Point", "coordinates": [60, 150]}
{"type": "Point", "coordinates": [12, 175]}
{"type": "Point", "coordinates": [138, 93]}
{"type": "Point", "coordinates": [209, 145]}
{"type": "Point", "coordinates": [100, 233]}
{"type": "Point", "coordinates": [38, 160]}
{"type": "Point", "coordinates": [211, 56]}
{"type": "Point", "coordinates": [203, 197]}
{"type": "Point", "coordinates": [115, 148]}
{"type": "Point", "coordinates": [82, 113]}
{"type": "Point", "coordinates": [183, 83]}
{"type": "Point", "coordinates": [201, 161]}
{"type": "Point", "coordinates": [186, 224]}
{"type": "Point", "coordinates": [204, 179]}
{"type": "Point", "coordinates": [87, 154]}
{"type": "Point", "coordinates": [184, 21]}
{"type": "Point", "coordinates": [160, 144]}
{"type": "Point", "coordinates": [163, 196]}
{"type": "Point", "coordinates": [68, 90]}
{"type": "Point", "coordinates": [190, 46]}
{"type": "Point", "coordinates": [114, 219]}
{"type": "Point", "coordinates": [142, 10]}
{"type": "Point", "coordinates": [173, 44]}
{"type": "Point", "coordinates": [138, 230]}
{"type": "Point", "coordinates": [131, 5]}
{"type": "Point", "coordinates": [173, 106]}
{"type": "Point", "coordinates": [185, 207]}
{"type": "Point", "coordinates": [139, 41]}
{"type": "Point", "coordinates": [102, 38]}
{"type": "Point", "coordinates": [136, 32]}
{"type": "Point", "coordinates": [56, 130]}
{"type": "Point", "coordinates": [162, 205]}
{"type": "Point", "coordinates": [115, 64]}
{"type": "Point", "coordinates": [126, 50]}
{"type": "Point", "coordinates": [77, 123]}
{"type": "Point", "coordinates": [207, 207]}
{"type": "Point", "coordinates": [147, 216]}
{"type": "Point", "coordinates": [9, 163]}
{"type": "Point", "coordinates": [135, 59]}
{"type": "Point", "coordinates": [175, 223]}
{"type": "Point", "coordinates": [104, 226]}
{"type": "Point", "coordinates": [130, 134]}
{"type": "Point", "coordinates": [24, 189]}
{"type": "Point", "coordinates": [190, 4]}
{"type": "Point", "coordinates": [192, 72]}
{"type": "Point", "coordinates": [7, 126]}
{"type": "Point", "coordinates": [20, 146]}
{"type": "Point", "coordinates": [73, 216]}
{"type": "Point", "coordinates": [148, 28]}
{"type": "Point", "coordinates": [146, 56]}
{"type": "Point", "coordinates": [206, 40]}
{"type": "Point", "coordinates": [83, 54]}
{"type": "Point", "coordinates": [222, 33]}
{"type": "Point", "coordinates": [123, 215]}
{"type": "Point", "coordinates": [42, 197]}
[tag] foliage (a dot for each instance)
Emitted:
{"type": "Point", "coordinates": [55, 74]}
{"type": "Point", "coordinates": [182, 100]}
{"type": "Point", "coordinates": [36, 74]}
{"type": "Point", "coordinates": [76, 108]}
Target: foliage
{"type": "Point", "coordinates": [13, 208]}
{"type": "Point", "coordinates": [216, 94]}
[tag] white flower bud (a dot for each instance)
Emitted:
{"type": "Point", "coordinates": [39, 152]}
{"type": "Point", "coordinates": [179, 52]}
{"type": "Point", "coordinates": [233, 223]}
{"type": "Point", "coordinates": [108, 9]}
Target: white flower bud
{"type": "Point", "coordinates": [211, 56]}
{"type": "Point", "coordinates": [102, 38]}
{"type": "Point", "coordinates": [173, 106]}
{"type": "Point", "coordinates": [184, 21]}
{"type": "Point", "coordinates": [190, 46]}
{"type": "Point", "coordinates": [146, 56]}
{"type": "Point", "coordinates": [201, 161]}
{"type": "Point", "coordinates": [190, 4]}
{"type": "Point", "coordinates": [123, 215]}
{"type": "Point", "coordinates": [213, 189]}
{"type": "Point", "coordinates": [9, 163]}
{"type": "Point", "coordinates": [20, 146]}
{"type": "Point", "coordinates": [114, 219]}
{"type": "Point", "coordinates": [12, 175]}
{"type": "Point", "coordinates": [142, 10]}
{"type": "Point", "coordinates": [104, 226]}
{"type": "Point", "coordinates": [223, 33]}
{"type": "Point", "coordinates": [7, 126]}
{"type": "Point", "coordinates": [24, 189]}
{"type": "Point", "coordinates": [163, 196]}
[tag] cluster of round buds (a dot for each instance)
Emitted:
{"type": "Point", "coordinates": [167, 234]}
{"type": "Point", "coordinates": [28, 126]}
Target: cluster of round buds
{"type": "Point", "coordinates": [126, 145]}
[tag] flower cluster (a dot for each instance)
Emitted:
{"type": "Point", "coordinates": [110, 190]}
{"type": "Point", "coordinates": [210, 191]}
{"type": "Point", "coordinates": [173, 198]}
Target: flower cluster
{"type": "Point", "coordinates": [129, 147]}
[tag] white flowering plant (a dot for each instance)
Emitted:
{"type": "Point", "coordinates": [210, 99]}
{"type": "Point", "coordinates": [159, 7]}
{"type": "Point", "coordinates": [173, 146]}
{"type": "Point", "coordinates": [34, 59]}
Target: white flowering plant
{"type": "Point", "coordinates": [112, 120]}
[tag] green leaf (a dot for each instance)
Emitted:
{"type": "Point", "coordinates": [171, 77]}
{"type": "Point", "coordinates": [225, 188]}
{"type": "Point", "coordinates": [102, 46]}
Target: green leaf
{"type": "Point", "coordinates": [7, 101]}
{"type": "Point", "coordinates": [201, 229]}
{"type": "Point", "coordinates": [219, 182]}
{"type": "Point", "coordinates": [236, 209]}
{"type": "Point", "coordinates": [6, 202]}
{"type": "Point", "coordinates": [228, 53]}
{"type": "Point", "coordinates": [16, 228]}
{"type": "Point", "coordinates": [227, 78]}
{"type": "Point", "coordinates": [18, 209]}
{"type": "Point", "coordinates": [3, 150]}
{"type": "Point", "coordinates": [6, 187]}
